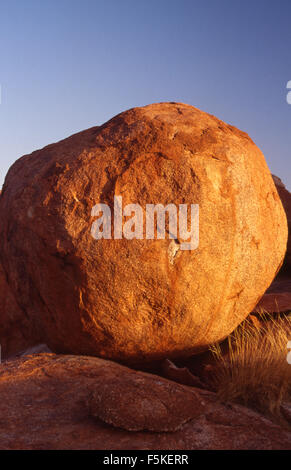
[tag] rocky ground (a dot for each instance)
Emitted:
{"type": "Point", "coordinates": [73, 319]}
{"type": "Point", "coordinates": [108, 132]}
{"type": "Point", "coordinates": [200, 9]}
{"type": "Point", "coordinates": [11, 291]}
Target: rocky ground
{"type": "Point", "coordinates": [73, 402]}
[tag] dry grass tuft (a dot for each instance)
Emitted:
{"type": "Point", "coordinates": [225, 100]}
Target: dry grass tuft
{"type": "Point", "coordinates": [255, 371]}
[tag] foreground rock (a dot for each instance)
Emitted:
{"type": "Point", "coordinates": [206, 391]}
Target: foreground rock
{"type": "Point", "coordinates": [137, 300]}
{"type": "Point", "coordinates": [16, 332]}
{"type": "Point", "coordinates": [64, 402]}
{"type": "Point", "coordinates": [139, 402]}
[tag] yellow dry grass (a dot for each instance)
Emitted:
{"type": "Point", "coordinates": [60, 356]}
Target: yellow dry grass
{"type": "Point", "coordinates": [255, 371]}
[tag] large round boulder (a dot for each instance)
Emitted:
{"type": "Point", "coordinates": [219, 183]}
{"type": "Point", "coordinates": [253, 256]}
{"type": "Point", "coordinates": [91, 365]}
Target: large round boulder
{"type": "Point", "coordinates": [141, 299]}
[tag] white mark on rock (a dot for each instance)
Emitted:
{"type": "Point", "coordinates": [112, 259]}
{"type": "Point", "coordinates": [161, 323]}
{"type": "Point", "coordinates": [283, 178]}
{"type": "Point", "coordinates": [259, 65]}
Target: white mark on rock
{"type": "Point", "coordinates": [173, 249]}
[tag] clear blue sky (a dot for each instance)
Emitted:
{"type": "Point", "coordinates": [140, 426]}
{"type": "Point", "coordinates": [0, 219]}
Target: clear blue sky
{"type": "Point", "coordinates": [66, 65]}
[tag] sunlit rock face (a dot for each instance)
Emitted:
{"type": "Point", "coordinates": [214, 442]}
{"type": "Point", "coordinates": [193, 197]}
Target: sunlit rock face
{"type": "Point", "coordinates": [141, 299]}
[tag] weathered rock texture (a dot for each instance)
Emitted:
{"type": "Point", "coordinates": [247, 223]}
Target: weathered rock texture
{"type": "Point", "coordinates": [61, 402]}
{"type": "Point", "coordinates": [286, 201]}
{"type": "Point", "coordinates": [133, 300]}
{"type": "Point", "coordinates": [139, 402]}
{"type": "Point", "coordinates": [16, 332]}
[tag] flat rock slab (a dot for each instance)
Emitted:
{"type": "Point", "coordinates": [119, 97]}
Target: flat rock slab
{"type": "Point", "coordinates": [66, 402]}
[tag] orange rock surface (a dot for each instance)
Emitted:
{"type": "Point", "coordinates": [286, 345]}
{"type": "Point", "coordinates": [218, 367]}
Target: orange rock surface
{"type": "Point", "coordinates": [72, 402]}
{"type": "Point", "coordinates": [132, 300]}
